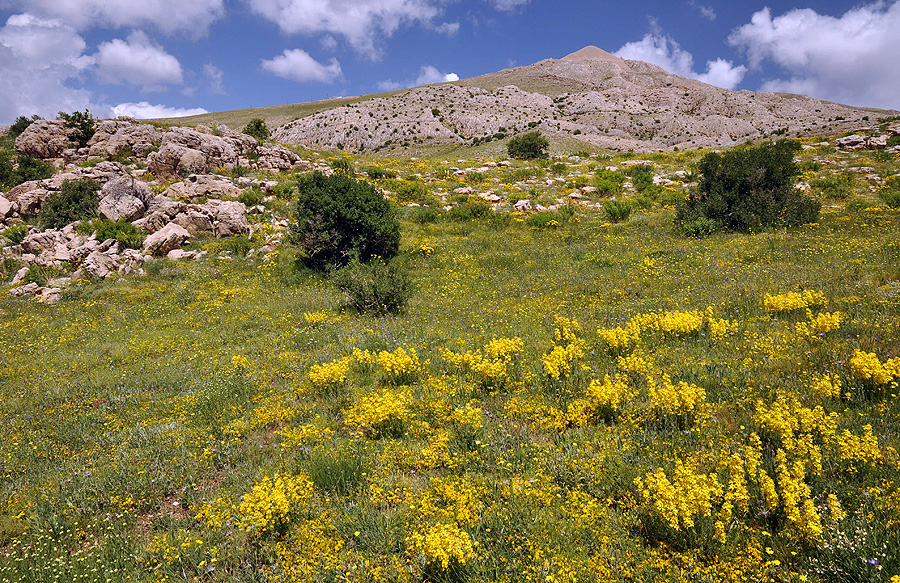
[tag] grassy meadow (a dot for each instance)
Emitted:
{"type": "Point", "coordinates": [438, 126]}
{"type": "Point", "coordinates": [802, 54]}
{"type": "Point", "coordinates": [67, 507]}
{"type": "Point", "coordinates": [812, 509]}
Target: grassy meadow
{"type": "Point", "coordinates": [565, 399]}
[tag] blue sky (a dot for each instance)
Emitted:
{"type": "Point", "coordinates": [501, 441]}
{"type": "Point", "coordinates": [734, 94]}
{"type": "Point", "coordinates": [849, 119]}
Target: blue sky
{"type": "Point", "coordinates": [152, 58]}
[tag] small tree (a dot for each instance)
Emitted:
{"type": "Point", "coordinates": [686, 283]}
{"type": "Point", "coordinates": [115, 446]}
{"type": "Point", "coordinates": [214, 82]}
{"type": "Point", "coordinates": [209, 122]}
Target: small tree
{"type": "Point", "coordinates": [83, 126]}
{"type": "Point", "coordinates": [339, 217]}
{"type": "Point", "coordinates": [749, 189]}
{"type": "Point", "coordinates": [528, 146]}
{"type": "Point", "coordinates": [258, 129]}
{"type": "Point", "coordinates": [21, 124]}
{"type": "Point", "coordinates": [76, 201]}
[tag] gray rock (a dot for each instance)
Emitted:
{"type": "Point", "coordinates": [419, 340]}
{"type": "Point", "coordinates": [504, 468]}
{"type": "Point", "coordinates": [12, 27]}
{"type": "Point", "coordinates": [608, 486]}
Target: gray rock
{"type": "Point", "coordinates": [44, 139]}
{"type": "Point", "coordinates": [29, 289]}
{"type": "Point", "coordinates": [164, 240]}
{"type": "Point", "coordinates": [20, 275]}
{"type": "Point", "coordinates": [203, 186]}
{"type": "Point", "coordinates": [123, 198]}
{"type": "Point", "coordinates": [6, 208]}
{"type": "Point", "coordinates": [230, 218]}
{"type": "Point", "coordinates": [112, 137]}
{"type": "Point", "coordinates": [98, 265]}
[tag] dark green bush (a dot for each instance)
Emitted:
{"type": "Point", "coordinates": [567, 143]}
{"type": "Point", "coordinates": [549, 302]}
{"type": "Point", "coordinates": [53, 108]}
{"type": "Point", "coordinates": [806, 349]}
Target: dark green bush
{"type": "Point", "coordinates": [417, 192]}
{"type": "Point", "coordinates": [699, 228]}
{"type": "Point", "coordinates": [618, 210]}
{"type": "Point", "coordinates": [82, 124]}
{"type": "Point", "coordinates": [528, 146]}
{"type": "Point", "coordinates": [343, 166]}
{"type": "Point", "coordinates": [251, 196]}
{"type": "Point", "coordinates": [425, 216]}
{"type": "Point", "coordinates": [544, 220]}
{"type": "Point", "coordinates": [21, 124]}
{"type": "Point", "coordinates": [608, 182]}
{"type": "Point", "coordinates": [16, 233]}
{"type": "Point", "coordinates": [339, 217]}
{"type": "Point", "coordinates": [377, 288]}
{"type": "Point", "coordinates": [76, 201]}
{"type": "Point", "coordinates": [121, 230]}
{"type": "Point", "coordinates": [749, 189]}
{"type": "Point", "coordinates": [26, 168]}
{"type": "Point", "coordinates": [238, 245]}
{"type": "Point", "coordinates": [258, 129]}
{"type": "Point", "coordinates": [376, 173]}
{"type": "Point", "coordinates": [641, 176]}
{"type": "Point", "coordinates": [558, 168]}
{"type": "Point", "coordinates": [893, 141]}
{"type": "Point", "coordinates": [284, 191]}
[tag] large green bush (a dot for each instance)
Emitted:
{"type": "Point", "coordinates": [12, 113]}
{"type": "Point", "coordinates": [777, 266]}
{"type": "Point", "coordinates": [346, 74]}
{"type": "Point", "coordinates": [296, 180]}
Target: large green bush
{"type": "Point", "coordinates": [528, 146]}
{"type": "Point", "coordinates": [76, 201]}
{"type": "Point", "coordinates": [377, 288]}
{"type": "Point", "coordinates": [82, 124]}
{"type": "Point", "coordinates": [339, 217]}
{"type": "Point", "coordinates": [749, 189]}
{"type": "Point", "coordinates": [26, 168]}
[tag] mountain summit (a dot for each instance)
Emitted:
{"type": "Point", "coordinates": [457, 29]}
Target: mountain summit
{"type": "Point", "coordinates": [589, 96]}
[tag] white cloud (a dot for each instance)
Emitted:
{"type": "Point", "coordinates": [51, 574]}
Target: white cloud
{"type": "Point", "coordinates": [850, 59]}
{"type": "Point", "coordinates": [137, 61]}
{"type": "Point", "coordinates": [360, 22]}
{"type": "Point", "coordinates": [663, 51]}
{"type": "Point", "coordinates": [297, 65]}
{"type": "Point", "coordinates": [707, 12]}
{"type": "Point", "coordinates": [507, 5]}
{"type": "Point", "coordinates": [37, 58]}
{"type": "Point", "coordinates": [215, 77]}
{"type": "Point", "coordinates": [427, 76]}
{"type": "Point", "coordinates": [192, 18]}
{"type": "Point", "coordinates": [144, 110]}
{"type": "Point", "coordinates": [448, 28]}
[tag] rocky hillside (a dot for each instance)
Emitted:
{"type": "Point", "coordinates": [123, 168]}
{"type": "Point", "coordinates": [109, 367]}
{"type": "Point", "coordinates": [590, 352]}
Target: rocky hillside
{"type": "Point", "coordinates": [590, 96]}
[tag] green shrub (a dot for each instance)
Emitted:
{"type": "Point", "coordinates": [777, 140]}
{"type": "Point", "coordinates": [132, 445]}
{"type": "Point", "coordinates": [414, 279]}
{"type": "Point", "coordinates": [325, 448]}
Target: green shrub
{"type": "Point", "coordinates": [608, 182]}
{"type": "Point", "coordinates": [749, 189]}
{"type": "Point", "coordinates": [475, 177]}
{"type": "Point", "coordinates": [890, 197]}
{"type": "Point", "coordinates": [425, 216]}
{"type": "Point", "coordinates": [834, 186]}
{"type": "Point", "coordinates": [258, 129]}
{"type": "Point", "coordinates": [343, 166]}
{"type": "Point", "coordinates": [417, 192]}
{"type": "Point", "coordinates": [528, 146]}
{"type": "Point", "coordinates": [376, 173]}
{"type": "Point", "coordinates": [701, 227]}
{"type": "Point", "coordinates": [856, 204]}
{"type": "Point", "coordinates": [27, 168]}
{"type": "Point", "coordinates": [251, 196]}
{"type": "Point", "coordinates": [893, 141]}
{"type": "Point", "coordinates": [376, 288]}
{"type": "Point", "coordinates": [238, 245]}
{"type": "Point", "coordinates": [544, 220]}
{"type": "Point", "coordinates": [641, 176]}
{"type": "Point", "coordinates": [121, 230]}
{"type": "Point", "coordinates": [284, 191]}
{"type": "Point", "coordinates": [558, 168]}
{"type": "Point", "coordinates": [339, 217]}
{"type": "Point", "coordinates": [618, 210]}
{"type": "Point", "coordinates": [468, 211]}
{"type": "Point", "coordinates": [16, 233]}
{"type": "Point", "coordinates": [82, 124]}
{"type": "Point", "coordinates": [76, 201]}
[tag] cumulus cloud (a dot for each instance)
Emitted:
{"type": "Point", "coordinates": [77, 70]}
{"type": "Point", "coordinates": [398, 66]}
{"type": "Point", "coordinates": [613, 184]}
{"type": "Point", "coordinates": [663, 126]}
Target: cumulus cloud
{"type": "Point", "coordinates": [663, 51]}
{"type": "Point", "coordinates": [298, 65]}
{"type": "Point", "coordinates": [137, 61]}
{"type": "Point", "coordinates": [851, 59]}
{"type": "Point", "coordinates": [192, 18]}
{"type": "Point", "coordinates": [37, 59]}
{"type": "Point", "coordinates": [144, 110]}
{"type": "Point", "coordinates": [360, 22]}
{"type": "Point", "coordinates": [427, 76]}
{"type": "Point", "coordinates": [215, 77]}
{"type": "Point", "coordinates": [448, 28]}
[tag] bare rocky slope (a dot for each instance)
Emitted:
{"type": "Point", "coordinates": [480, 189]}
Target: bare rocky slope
{"type": "Point", "coordinates": [590, 96]}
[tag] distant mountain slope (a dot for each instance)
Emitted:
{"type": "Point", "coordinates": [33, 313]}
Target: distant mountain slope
{"type": "Point", "coordinates": [590, 96]}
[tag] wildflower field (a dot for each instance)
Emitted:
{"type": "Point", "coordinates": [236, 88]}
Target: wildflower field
{"type": "Point", "coordinates": [565, 399]}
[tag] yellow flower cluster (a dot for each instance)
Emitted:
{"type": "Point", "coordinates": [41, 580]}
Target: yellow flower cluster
{"type": "Point", "coordinates": [329, 373]}
{"type": "Point", "coordinates": [622, 338]}
{"type": "Point", "coordinates": [674, 399]}
{"type": "Point", "coordinates": [272, 501]}
{"type": "Point", "coordinates": [305, 435]}
{"type": "Point", "coordinates": [469, 416]}
{"type": "Point", "coordinates": [819, 323]}
{"type": "Point", "coordinates": [503, 347]}
{"type": "Point", "coordinates": [315, 318]}
{"type": "Point", "coordinates": [858, 449]}
{"type": "Point", "coordinates": [379, 412]}
{"type": "Point", "coordinates": [401, 364]}
{"type": "Point", "coordinates": [865, 365]}
{"type": "Point", "coordinates": [827, 386]}
{"type": "Point", "coordinates": [636, 362]}
{"type": "Point", "coordinates": [492, 363]}
{"type": "Point", "coordinates": [789, 420]}
{"type": "Point", "coordinates": [568, 347]}
{"type": "Point", "coordinates": [796, 496]}
{"type": "Point", "coordinates": [443, 544]}
{"type": "Point", "coordinates": [610, 393]}
{"type": "Point", "coordinates": [680, 501]}
{"type": "Point", "coordinates": [794, 301]}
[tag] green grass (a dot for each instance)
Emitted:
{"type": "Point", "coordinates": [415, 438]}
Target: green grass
{"type": "Point", "coordinates": [137, 413]}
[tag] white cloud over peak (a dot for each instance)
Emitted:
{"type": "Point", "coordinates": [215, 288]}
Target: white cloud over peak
{"type": "Point", "coordinates": [144, 110]}
{"type": "Point", "coordinates": [137, 61]}
{"type": "Point", "coordinates": [37, 58]}
{"type": "Point", "coordinates": [297, 65]}
{"type": "Point", "coordinates": [427, 76]}
{"type": "Point", "coordinates": [360, 22]}
{"type": "Point", "coordinates": [665, 52]}
{"type": "Point", "coordinates": [851, 59]}
{"type": "Point", "coordinates": [192, 18]}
